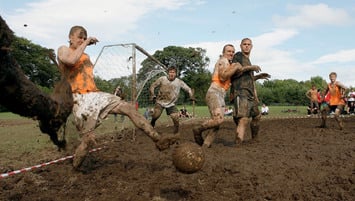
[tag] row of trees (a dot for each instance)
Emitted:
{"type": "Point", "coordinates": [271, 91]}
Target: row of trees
{"type": "Point", "coordinates": [192, 66]}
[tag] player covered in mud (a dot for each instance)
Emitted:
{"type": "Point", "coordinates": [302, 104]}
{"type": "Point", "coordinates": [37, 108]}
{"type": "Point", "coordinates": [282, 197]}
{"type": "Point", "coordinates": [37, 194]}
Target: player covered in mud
{"type": "Point", "coordinates": [216, 93]}
{"type": "Point", "coordinates": [244, 96]}
{"type": "Point", "coordinates": [168, 94]}
{"type": "Point", "coordinates": [337, 103]}
{"type": "Point", "coordinates": [91, 105]}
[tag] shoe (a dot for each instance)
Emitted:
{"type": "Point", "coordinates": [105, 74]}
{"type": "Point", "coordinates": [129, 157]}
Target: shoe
{"type": "Point", "coordinates": [79, 156]}
{"type": "Point", "coordinates": [198, 136]}
{"type": "Point", "coordinates": [88, 141]}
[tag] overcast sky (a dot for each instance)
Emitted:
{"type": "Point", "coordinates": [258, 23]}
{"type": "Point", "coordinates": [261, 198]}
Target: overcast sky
{"type": "Point", "coordinates": [293, 39]}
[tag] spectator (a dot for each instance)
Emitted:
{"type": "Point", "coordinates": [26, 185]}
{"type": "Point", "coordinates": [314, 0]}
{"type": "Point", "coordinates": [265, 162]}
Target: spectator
{"type": "Point", "coordinates": [183, 113]}
{"type": "Point", "coordinates": [264, 110]}
{"type": "Point", "coordinates": [147, 114]}
{"type": "Point", "coordinates": [351, 102]}
{"type": "Point", "coordinates": [312, 95]}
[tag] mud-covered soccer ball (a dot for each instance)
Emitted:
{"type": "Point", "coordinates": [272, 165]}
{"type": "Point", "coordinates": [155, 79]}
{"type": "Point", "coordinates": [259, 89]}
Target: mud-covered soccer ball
{"type": "Point", "coordinates": [188, 157]}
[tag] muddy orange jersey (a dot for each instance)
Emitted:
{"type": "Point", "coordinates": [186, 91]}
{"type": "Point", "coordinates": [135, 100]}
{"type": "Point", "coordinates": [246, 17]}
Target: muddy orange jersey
{"type": "Point", "coordinates": [221, 63]}
{"type": "Point", "coordinates": [81, 76]}
{"type": "Point", "coordinates": [335, 95]}
{"type": "Point", "coordinates": [225, 85]}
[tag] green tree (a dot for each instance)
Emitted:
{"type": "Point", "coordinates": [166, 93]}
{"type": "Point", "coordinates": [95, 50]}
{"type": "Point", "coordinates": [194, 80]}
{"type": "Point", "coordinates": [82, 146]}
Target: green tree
{"type": "Point", "coordinates": [103, 85]}
{"type": "Point", "coordinates": [283, 92]}
{"type": "Point", "coordinates": [35, 61]}
{"type": "Point", "coordinates": [125, 83]}
{"type": "Point", "coordinates": [318, 81]}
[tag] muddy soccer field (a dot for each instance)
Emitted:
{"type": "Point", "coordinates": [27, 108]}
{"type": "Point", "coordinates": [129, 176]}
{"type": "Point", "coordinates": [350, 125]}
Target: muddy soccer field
{"type": "Point", "coordinates": [291, 159]}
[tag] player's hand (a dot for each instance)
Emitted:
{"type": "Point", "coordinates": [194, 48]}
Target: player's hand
{"type": "Point", "coordinates": [92, 41]}
{"type": "Point", "coordinates": [265, 76]}
{"type": "Point", "coordinates": [256, 68]}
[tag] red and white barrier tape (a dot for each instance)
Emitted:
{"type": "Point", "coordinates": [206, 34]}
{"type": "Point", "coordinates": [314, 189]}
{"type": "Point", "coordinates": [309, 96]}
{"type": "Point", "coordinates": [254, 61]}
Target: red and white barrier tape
{"type": "Point", "coordinates": [43, 164]}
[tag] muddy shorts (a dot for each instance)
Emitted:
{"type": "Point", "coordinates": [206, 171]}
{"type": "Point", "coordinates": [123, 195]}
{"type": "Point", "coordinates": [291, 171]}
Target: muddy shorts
{"type": "Point", "coordinates": [169, 110]}
{"type": "Point", "coordinates": [215, 98]}
{"type": "Point", "coordinates": [91, 108]}
{"type": "Point", "coordinates": [245, 108]}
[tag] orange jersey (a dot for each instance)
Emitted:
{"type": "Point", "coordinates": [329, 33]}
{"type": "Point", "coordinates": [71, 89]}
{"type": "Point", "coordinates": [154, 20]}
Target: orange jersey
{"type": "Point", "coordinates": [225, 85]}
{"type": "Point", "coordinates": [335, 95]}
{"type": "Point", "coordinates": [221, 63]}
{"type": "Point", "coordinates": [81, 76]}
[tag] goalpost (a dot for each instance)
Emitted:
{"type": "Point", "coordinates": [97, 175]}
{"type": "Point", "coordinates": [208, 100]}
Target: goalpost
{"type": "Point", "coordinates": [122, 63]}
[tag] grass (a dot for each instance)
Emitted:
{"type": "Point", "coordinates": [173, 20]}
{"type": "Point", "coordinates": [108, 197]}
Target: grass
{"type": "Point", "coordinates": [274, 111]}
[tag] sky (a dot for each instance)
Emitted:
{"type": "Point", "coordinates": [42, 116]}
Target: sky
{"type": "Point", "coordinates": [294, 39]}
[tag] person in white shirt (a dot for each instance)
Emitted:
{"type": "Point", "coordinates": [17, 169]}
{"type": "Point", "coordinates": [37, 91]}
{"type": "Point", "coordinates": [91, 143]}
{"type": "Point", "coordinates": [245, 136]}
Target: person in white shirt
{"type": "Point", "coordinates": [168, 94]}
{"type": "Point", "coordinates": [264, 110]}
{"type": "Point", "coordinates": [351, 102]}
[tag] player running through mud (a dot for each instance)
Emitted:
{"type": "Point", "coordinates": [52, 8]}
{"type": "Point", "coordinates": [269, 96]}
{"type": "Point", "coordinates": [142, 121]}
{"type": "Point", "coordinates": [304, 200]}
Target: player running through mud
{"type": "Point", "coordinates": [336, 101]}
{"type": "Point", "coordinates": [90, 105]}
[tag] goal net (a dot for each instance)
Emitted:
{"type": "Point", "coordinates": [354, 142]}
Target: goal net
{"type": "Point", "coordinates": [122, 65]}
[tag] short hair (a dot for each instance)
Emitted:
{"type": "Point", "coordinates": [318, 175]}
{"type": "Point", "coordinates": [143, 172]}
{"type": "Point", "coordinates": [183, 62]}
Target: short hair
{"type": "Point", "coordinates": [75, 28]}
{"type": "Point", "coordinates": [227, 45]}
{"type": "Point", "coordinates": [333, 73]}
{"type": "Point", "coordinates": [244, 39]}
{"type": "Point", "coordinates": [172, 68]}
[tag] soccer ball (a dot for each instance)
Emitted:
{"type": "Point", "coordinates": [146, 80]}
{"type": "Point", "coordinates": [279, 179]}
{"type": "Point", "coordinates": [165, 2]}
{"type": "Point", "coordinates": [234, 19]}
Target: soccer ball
{"type": "Point", "coordinates": [188, 157]}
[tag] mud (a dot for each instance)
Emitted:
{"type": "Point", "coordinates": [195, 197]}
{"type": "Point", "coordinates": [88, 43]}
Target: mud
{"type": "Point", "coordinates": [290, 160]}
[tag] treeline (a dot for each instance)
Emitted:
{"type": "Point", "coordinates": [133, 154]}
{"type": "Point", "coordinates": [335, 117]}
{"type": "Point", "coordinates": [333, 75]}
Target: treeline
{"type": "Point", "coordinates": [287, 92]}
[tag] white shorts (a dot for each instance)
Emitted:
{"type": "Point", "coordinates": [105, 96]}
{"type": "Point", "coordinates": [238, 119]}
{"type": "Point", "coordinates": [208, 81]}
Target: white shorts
{"type": "Point", "coordinates": [91, 108]}
{"type": "Point", "coordinates": [215, 99]}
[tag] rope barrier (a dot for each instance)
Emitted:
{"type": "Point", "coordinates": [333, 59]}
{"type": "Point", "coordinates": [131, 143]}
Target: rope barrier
{"type": "Point", "coordinates": [43, 164]}
{"type": "Point", "coordinates": [270, 117]}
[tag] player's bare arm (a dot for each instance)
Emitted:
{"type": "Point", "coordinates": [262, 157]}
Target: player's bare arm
{"type": "Point", "coordinates": [343, 88]}
{"type": "Point", "coordinates": [226, 70]}
{"type": "Point", "coordinates": [341, 85]}
{"type": "Point", "coordinates": [308, 94]}
{"type": "Point", "coordinates": [70, 56]}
